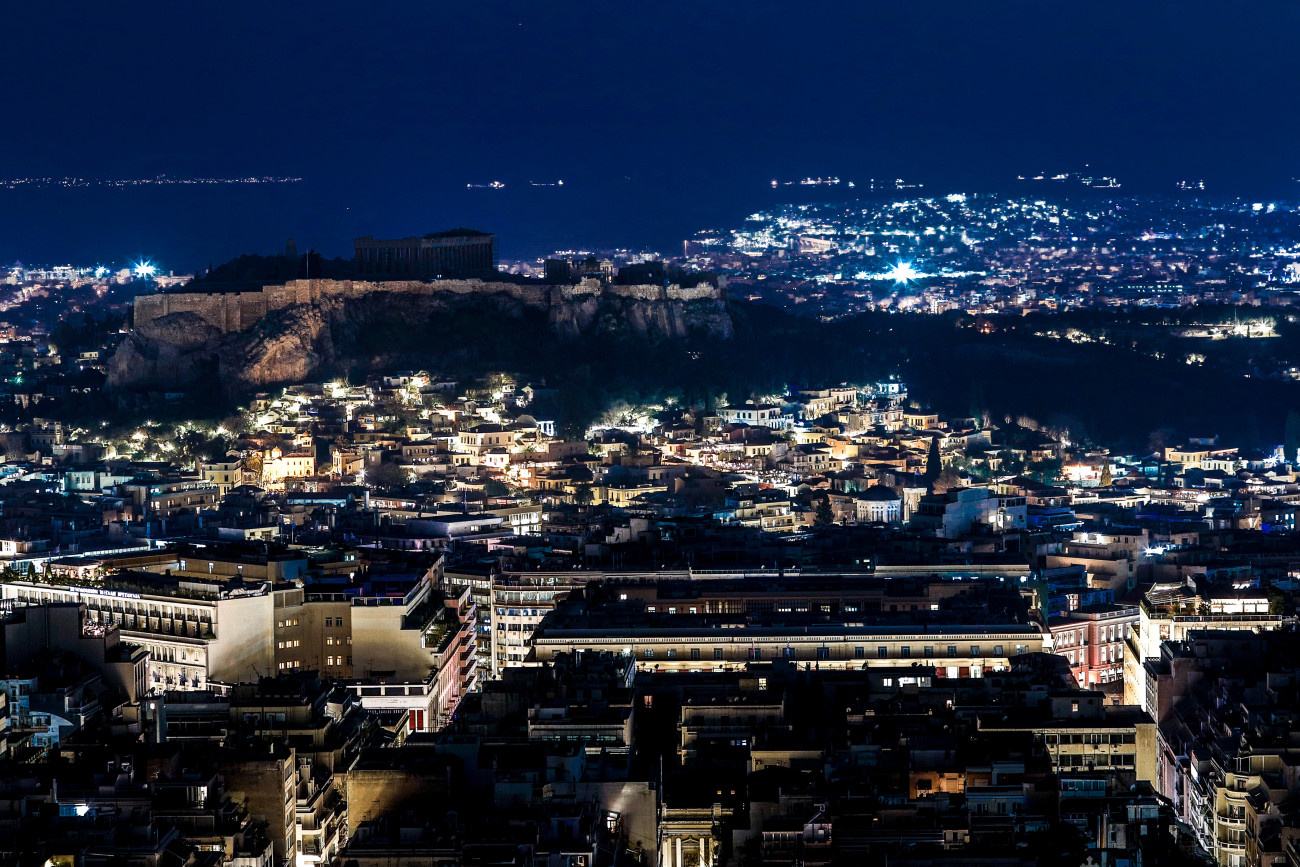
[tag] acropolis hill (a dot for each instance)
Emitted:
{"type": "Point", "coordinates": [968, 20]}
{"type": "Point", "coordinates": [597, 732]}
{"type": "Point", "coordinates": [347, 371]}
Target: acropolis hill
{"type": "Point", "coordinates": [303, 328]}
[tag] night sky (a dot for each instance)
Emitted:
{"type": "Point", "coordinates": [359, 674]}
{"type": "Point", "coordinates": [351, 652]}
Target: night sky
{"type": "Point", "coordinates": [661, 117]}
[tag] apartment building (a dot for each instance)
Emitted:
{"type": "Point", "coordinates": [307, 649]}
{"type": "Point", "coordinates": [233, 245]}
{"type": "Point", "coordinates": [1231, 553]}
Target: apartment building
{"type": "Point", "coordinates": [1093, 639]}
{"type": "Point", "coordinates": [167, 498]}
{"type": "Point", "coordinates": [1172, 612]}
{"type": "Point", "coordinates": [416, 652]}
{"type": "Point", "coordinates": [957, 513]}
{"type": "Point", "coordinates": [224, 474]}
{"type": "Point", "coordinates": [197, 629]}
{"type": "Point", "coordinates": [1225, 703]}
{"type": "Point", "coordinates": [961, 629]}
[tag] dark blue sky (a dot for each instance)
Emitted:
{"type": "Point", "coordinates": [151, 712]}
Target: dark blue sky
{"type": "Point", "coordinates": [661, 117]}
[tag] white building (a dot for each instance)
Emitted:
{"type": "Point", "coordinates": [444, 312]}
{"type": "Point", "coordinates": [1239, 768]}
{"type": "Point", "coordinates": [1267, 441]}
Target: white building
{"type": "Point", "coordinates": [195, 630]}
{"type": "Point", "coordinates": [879, 505]}
{"type": "Point", "coordinates": [755, 415]}
{"type": "Point", "coordinates": [956, 513]}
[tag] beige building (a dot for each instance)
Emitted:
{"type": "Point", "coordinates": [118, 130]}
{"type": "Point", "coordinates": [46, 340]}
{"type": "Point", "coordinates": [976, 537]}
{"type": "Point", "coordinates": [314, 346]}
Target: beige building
{"type": "Point", "coordinates": [277, 466]}
{"type": "Point", "coordinates": [471, 445]}
{"type": "Point", "coordinates": [417, 653]}
{"type": "Point", "coordinates": [196, 630]}
{"type": "Point", "coordinates": [223, 474]}
{"type": "Point", "coordinates": [266, 782]}
{"type": "Point", "coordinates": [167, 498]}
{"type": "Point", "coordinates": [1086, 736]}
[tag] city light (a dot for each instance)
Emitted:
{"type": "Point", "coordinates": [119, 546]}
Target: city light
{"type": "Point", "coordinates": [903, 272]}
{"type": "Point", "coordinates": [145, 269]}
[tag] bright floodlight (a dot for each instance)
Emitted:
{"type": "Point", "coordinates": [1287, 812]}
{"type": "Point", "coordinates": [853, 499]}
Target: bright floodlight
{"type": "Point", "coordinates": [145, 269]}
{"type": "Point", "coordinates": [903, 272]}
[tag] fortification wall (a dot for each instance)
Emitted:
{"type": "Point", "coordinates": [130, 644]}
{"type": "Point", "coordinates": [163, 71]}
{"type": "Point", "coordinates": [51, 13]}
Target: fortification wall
{"type": "Point", "coordinates": [702, 292]}
{"type": "Point", "coordinates": [651, 292]}
{"type": "Point", "coordinates": [213, 307]}
{"type": "Point", "coordinates": [239, 311]}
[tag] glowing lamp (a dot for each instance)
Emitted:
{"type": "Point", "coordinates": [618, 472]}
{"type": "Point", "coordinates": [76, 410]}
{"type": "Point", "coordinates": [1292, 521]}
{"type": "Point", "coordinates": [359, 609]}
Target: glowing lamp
{"type": "Point", "coordinates": [903, 272]}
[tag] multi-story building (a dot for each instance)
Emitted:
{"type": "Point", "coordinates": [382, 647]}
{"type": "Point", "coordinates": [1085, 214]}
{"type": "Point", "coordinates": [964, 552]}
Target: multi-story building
{"type": "Point", "coordinates": [224, 474]}
{"type": "Point", "coordinates": [1093, 638]}
{"type": "Point", "coordinates": [167, 498]}
{"type": "Point", "coordinates": [1111, 557]}
{"type": "Point", "coordinates": [1226, 706]}
{"type": "Point", "coordinates": [228, 619]}
{"type": "Point", "coordinates": [472, 445]}
{"type": "Point", "coordinates": [769, 511]}
{"type": "Point", "coordinates": [321, 816]}
{"type": "Point", "coordinates": [756, 415]}
{"type": "Point", "coordinates": [417, 652]}
{"type": "Point", "coordinates": [956, 513]}
{"type": "Point", "coordinates": [1173, 612]}
{"type": "Point", "coordinates": [1086, 737]}
{"type": "Point", "coordinates": [279, 466]}
{"type": "Point", "coordinates": [266, 781]}
{"type": "Point", "coordinates": [520, 602]}
{"type": "Point", "coordinates": [30, 633]}
{"type": "Point", "coordinates": [962, 629]}
{"type": "Point", "coordinates": [196, 629]}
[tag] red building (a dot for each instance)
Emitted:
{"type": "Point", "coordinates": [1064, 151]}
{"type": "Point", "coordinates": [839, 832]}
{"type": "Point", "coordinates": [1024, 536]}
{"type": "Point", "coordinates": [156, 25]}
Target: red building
{"type": "Point", "coordinates": [1092, 639]}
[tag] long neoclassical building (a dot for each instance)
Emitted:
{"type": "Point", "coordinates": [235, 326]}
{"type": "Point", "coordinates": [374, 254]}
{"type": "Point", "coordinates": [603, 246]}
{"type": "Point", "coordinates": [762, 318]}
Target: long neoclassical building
{"type": "Point", "coordinates": [962, 628]}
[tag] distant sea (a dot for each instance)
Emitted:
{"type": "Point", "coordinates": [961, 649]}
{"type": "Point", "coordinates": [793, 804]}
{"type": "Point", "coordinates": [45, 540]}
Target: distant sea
{"type": "Point", "coordinates": [185, 227]}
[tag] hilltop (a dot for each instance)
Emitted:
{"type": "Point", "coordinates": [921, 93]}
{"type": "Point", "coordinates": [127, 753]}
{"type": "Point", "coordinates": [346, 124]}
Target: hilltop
{"type": "Point", "coordinates": [302, 329]}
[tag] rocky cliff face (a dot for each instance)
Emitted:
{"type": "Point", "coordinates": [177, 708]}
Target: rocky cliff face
{"type": "Point", "coordinates": [337, 329]}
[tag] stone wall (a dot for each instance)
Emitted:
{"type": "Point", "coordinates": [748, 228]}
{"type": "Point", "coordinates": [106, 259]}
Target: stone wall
{"type": "Point", "coordinates": [308, 328]}
{"type": "Point", "coordinates": [238, 311]}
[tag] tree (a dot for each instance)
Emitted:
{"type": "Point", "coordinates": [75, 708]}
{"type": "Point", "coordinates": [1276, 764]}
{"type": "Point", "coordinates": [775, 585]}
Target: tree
{"type": "Point", "coordinates": [946, 481]}
{"type": "Point", "coordinates": [1277, 601]}
{"type": "Point", "coordinates": [978, 404]}
{"type": "Point", "coordinates": [236, 423]}
{"type": "Point", "coordinates": [1159, 439]}
{"type": "Point", "coordinates": [386, 475]}
{"type": "Point", "coordinates": [1045, 471]}
{"type": "Point", "coordinates": [253, 464]}
{"type": "Point", "coordinates": [1250, 431]}
{"type": "Point", "coordinates": [933, 462]}
{"type": "Point", "coordinates": [1012, 465]}
{"type": "Point", "coordinates": [1105, 475]}
{"type": "Point", "coordinates": [1291, 437]}
{"type": "Point", "coordinates": [582, 495]}
{"type": "Point", "coordinates": [825, 516]}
